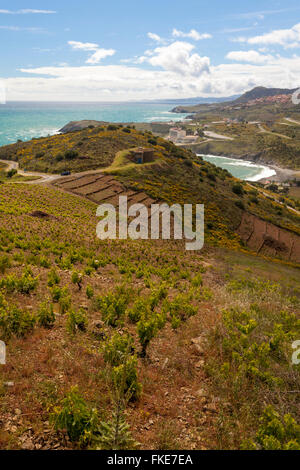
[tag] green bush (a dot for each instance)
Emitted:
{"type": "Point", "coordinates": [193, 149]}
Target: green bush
{"type": "Point", "coordinates": [117, 349]}
{"type": "Point", "coordinates": [71, 154]}
{"type": "Point", "coordinates": [147, 330]}
{"type": "Point", "coordinates": [113, 306]}
{"type": "Point", "coordinates": [238, 189]}
{"type": "Point", "coordinates": [14, 321]}
{"type": "Point", "coordinates": [275, 433]}
{"type": "Point", "coordinates": [25, 284]}
{"type": "Point", "coordinates": [77, 279]}
{"type": "Point", "coordinates": [77, 320]}
{"type": "Point", "coordinates": [240, 205]}
{"type": "Point", "coordinates": [140, 309]}
{"type": "Point", "coordinates": [179, 309]}
{"type": "Point", "coordinates": [76, 418]}
{"type": "Point", "coordinates": [89, 292]}
{"type": "Point", "coordinates": [4, 263]}
{"type": "Point", "coordinates": [53, 278]}
{"type": "Point", "coordinates": [45, 315]}
{"type": "Point", "coordinates": [125, 379]}
{"type": "Point", "coordinates": [11, 173]}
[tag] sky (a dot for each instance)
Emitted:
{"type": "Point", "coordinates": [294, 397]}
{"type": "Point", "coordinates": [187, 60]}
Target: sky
{"type": "Point", "coordinates": [141, 50]}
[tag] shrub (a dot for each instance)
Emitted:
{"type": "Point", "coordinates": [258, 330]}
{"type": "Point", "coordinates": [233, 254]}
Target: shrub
{"type": "Point", "coordinates": [45, 315]}
{"type": "Point", "coordinates": [76, 321]}
{"type": "Point", "coordinates": [240, 205]}
{"type": "Point", "coordinates": [89, 292]}
{"type": "Point", "coordinates": [77, 279]}
{"type": "Point", "coordinates": [140, 309]}
{"type": "Point", "coordinates": [125, 379]}
{"type": "Point", "coordinates": [276, 433]}
{"type": "Point", "coordinates": [179, 309]}
{"type": "Point", "coordinates": [76, 418]}
{"type": "Point", "coordinates": [27, 283]}
{"type": "Point", "coordinates": [4, 263]}
{"type": "Point", "coordinates": [147, 330]}
{"type": "Point", "coordinates": [238, 189]}
{"type": "Point", "coordinates": [14, 321]}
{"type": "Point", "coordinates": [53, 278]}
{"type": "Point", "coordinates": [157, 295]}
{"type": "Point", "coordinates": [71, 154]}
{"type": "Point", "coordinates": [197, 280]}
{"type": "Point", "coordinates": [117, 349]}
{"type": "Point", "coordinates": [211, 176]}
{"type": "Point", "coordinates": [113, 306]}
{"type": "Point", "coordinates": [115, 434]}
{"type": "Point", "coordinates": [11, 173]}
{"type": "Point", "coordinates": [39, 154]}
{"type": "Point", "coordinates": [64, 301]}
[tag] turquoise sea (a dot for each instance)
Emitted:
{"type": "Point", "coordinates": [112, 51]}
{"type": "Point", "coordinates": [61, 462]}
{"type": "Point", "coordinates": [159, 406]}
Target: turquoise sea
{"type": "Point", "coordinates": [24, 120]}
{"type": "Point", "coordinates": [240, 168]}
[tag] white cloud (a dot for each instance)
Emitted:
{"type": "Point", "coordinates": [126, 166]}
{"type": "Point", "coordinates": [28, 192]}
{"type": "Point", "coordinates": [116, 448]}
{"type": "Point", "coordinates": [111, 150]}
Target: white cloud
{"type": "Point", "coordinates": [154, 37]}
{"type": "Point", "coordinates": [193, 34]}
{"type": "Point", "coordinates": [27, 11]}
{"type": "Point", "coordinates": [287, 38]}
{"type": "Point", "coordinates": [98, 55]}
{"type": "Point", "coordinates": [83, 46]}
{"type": "Point", "coordinates": [177, 58]}
{"type": "Point", "coordinates": [123, 83]}
{"type": "Point", "coordinates": [2, 93]}
{"type": "Point", "coordinates": [19, 28]}
{"type": "Point", "coordinates": [249, 56]}
{"type": "Point", "coordinates": [260, 15]}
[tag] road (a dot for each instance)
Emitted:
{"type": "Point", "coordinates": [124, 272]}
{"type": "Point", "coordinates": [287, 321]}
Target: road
{"type": "Point", "coordinates": [217, 136]}
{"type": "Point", "coordinates": [292, 120]}
{"type": "Point", "coordinates": [261, 191]}
{"type": "Point", "coordinates": [262, 129]}
{"type": "Point", "coordinates": [43, 177]}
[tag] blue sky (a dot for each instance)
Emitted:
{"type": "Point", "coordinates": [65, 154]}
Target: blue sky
{"type": "Point", "coordinates": [118, 50]}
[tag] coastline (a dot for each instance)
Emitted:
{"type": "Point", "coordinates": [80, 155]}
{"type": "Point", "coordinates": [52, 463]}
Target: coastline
{"type": "Point", "coordinates": [282, 174]}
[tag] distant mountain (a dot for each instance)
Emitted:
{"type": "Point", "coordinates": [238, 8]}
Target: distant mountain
{"type": "Point", "coordinates": [195, 101]}
{"type": "Point", "coordinates": [257, 92]}
{"type": "Point", "coordinates": [263, 92]}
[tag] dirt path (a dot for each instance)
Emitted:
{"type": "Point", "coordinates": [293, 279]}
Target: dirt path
{"type": "Point", "coordinates": [217, 136]}
{"type": "Point", "coordinates": [274, 198]}
{"type": "Point", "coordinates": [43, 177]}
{"type": "Point", "coordinates": [263, 130]}
{"type": "Point", "coordinates": [292, 120]}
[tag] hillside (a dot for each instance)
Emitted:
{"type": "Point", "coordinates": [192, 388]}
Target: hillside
{"type": "Point", "coordinates": [263, 92]}
{"type": "Point", "coordinates": [255, 93]}
{"type": "Point", "coordinates": [77, 313]}
{"type": "Point", "coordinates": [176, 175]}
{"type": "Point", "coordinates": [173, 344]}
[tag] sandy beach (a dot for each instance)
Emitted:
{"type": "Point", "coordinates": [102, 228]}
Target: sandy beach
{"type": "Point", "coordinates": [282, 174]}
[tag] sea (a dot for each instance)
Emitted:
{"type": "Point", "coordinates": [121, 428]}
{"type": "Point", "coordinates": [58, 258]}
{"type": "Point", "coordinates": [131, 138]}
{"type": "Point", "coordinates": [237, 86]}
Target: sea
{"type": "Point", "coordinates": [241, 169]}
{"type": "Point", "coordinates": [25, 120]}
